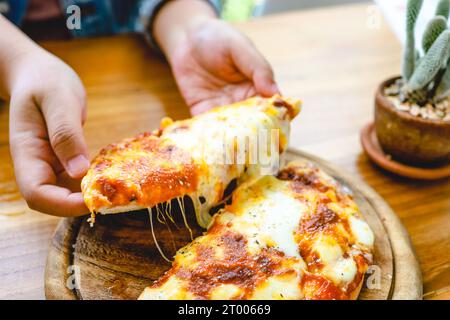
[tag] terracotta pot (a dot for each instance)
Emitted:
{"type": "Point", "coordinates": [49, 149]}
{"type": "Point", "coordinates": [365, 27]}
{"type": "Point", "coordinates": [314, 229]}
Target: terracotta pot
{"type": "Point", "coordinates": [407, 138]}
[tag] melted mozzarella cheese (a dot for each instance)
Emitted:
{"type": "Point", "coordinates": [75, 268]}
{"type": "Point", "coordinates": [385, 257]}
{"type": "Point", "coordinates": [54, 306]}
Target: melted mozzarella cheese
{"type": "Point", "coordinates": [225, 292]}
{"type": "Point", "coordinates": [170, 290]}
{"type": "Point", "coordinates": [279, 220]}
{"type": "Point", "coordinates": [282, 287]}
{"type": "Point", "coordinates": [328, 249]}
{"type": "Point", "coordinates": [361, 231]}
{"type": "Point", "coordinates": [341, 271]}
{"type": "Point", "coordinates": [268, 216]}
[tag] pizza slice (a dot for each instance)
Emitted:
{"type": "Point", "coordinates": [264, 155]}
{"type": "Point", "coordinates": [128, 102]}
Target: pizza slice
{"type": "Point", "coordinates": [197, 157]}
{"type": "Point", "coordinates": [297, 235]}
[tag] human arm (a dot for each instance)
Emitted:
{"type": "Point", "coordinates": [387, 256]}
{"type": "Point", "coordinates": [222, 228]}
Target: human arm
{"type": "Point", "coordinates": [213, 63]}
{"type": "Point", "coordinates": [47, 110]}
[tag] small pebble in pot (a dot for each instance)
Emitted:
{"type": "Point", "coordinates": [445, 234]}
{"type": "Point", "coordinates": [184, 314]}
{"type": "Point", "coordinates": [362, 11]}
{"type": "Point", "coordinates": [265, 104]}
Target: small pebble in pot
{"type": "Point", "coordinates": [415, 110]}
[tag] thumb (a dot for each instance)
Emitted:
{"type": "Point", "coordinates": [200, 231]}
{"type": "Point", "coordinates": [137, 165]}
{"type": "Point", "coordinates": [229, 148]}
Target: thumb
{"type": "Point", "coordinates": [64, 115]}
{"type": "Point", "coordinates": [264, 81]}
{"type": "Point", "coordinates": [255, 67]}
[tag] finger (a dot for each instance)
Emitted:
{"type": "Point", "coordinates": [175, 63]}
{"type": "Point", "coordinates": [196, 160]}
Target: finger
{"type": "Point", "coordinates": [207, 104]}
{"type": "Point", "coordinates": [200, 108]}
{"type": "Point", "coordinates": [64, 114]}
{"type": "Point", "coordinates": [65, 181]}
{"type": "Point", "coordinates": [255, 67]}
{"type": "Point", "coordinates": [37, 180]}
{"type": "Point", "coordinates": [33, 158]}
{"type": "Point", "coordinates": [228, 94]}
{"type": "Point", "coordinates": [57, 201]}
{"type": "Point", "coordinates": [264, 82]}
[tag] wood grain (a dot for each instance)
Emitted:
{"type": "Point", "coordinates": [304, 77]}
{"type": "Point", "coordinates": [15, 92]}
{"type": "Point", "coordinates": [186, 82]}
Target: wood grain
{"type": "Point", "coordinates": [327, 57]}
{"type": "Point", "coordinates": [117, 258]}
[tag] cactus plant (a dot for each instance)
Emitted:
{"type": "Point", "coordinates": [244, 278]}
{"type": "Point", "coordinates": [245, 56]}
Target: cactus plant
{"type": "Point", "coordinates": [432, 31]}
{"type": "Point", "coordinates": [443, 9]}
{"type": "Point", "coordinates": [426, 78]}
{"type": "Point", "coordinates": [409, 57]}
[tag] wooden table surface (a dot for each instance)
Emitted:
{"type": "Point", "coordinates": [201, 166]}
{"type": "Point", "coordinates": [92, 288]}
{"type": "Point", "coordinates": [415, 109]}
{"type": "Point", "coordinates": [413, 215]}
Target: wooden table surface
{"type": "Point", "coordinates": [332, 58]}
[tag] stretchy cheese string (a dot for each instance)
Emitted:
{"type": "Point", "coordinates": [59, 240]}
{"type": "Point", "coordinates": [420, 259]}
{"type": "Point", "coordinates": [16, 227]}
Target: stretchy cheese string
{"type": "Point", "coordinates": [170, 231]}
{"type": "Point", "coordinates": [154, 237]}
{"type": "Point", "coordinates": [183, 213]}
{"type": "Point", "coordinates": [168, 212]}
{"type": "Point", "coordinates": [159, 214]}
{"type": "Point", "coordinates": [201, 212]}
{"type": "Point", "coordinates": [223, 201]}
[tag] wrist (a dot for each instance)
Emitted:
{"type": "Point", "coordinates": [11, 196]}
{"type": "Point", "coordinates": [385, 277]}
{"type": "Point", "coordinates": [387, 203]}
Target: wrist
{"type": "Point", "coordinates": [22, 67]}
{"type": "Point", "coordinates": [177, 19]}
{"type": "Point", "coordinates": [16, 47]}
{"type": "Point", "coordinates": [15, 68]}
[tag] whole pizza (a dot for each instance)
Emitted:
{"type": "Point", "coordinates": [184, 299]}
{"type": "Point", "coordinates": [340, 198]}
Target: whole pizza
{"type": "Point", "coordinates": [283, 233]}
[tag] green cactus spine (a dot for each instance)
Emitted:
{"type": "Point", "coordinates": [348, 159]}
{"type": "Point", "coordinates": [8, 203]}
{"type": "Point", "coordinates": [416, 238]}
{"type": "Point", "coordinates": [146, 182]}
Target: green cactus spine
{"type": "Point", "coordinates": [412, 11]}
{"type": "Point", "coordinates": [426, 78]}
{"type": "Point", "coordinates": [444, 87]}
{"type": "Point", "coordinates": [443, 8]}
{"type": "Point", "coordinates": [433, 61]}
{"type": "Point", "coordinates": [434, 28]}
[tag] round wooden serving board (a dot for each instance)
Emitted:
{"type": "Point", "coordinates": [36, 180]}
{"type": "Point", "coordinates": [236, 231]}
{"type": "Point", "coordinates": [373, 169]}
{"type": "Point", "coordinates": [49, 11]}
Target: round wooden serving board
{"type": "Point", "coordinates": [117, 258]}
